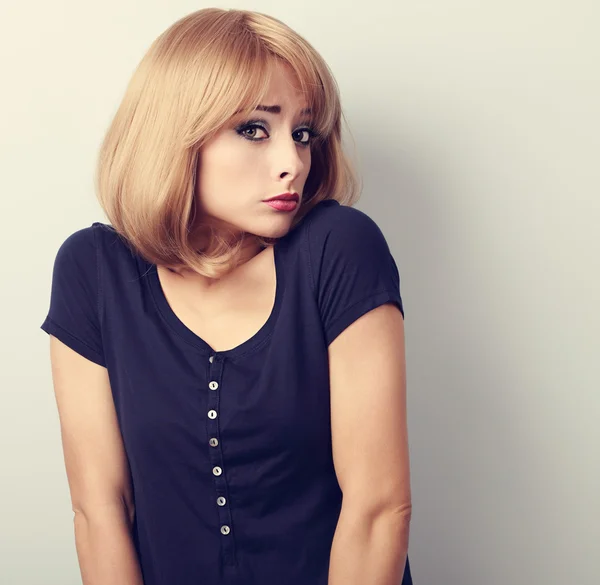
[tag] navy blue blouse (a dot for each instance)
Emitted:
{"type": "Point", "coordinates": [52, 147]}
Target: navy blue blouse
{"type": "Point", "coordinates": [229, 451]}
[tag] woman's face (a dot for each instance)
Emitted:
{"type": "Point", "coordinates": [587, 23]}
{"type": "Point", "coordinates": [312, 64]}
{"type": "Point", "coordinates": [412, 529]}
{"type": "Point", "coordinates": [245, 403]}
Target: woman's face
{"type": "Point", "coordinates": [244, 164]}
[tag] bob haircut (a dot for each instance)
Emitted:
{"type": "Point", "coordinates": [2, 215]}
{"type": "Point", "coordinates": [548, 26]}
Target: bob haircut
{"type": "Point", "coordinates": [199, 73]}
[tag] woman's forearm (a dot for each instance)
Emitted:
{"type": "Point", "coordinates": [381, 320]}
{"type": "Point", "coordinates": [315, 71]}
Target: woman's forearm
{"type": "Point", "coordinates": [105, 547]}
{"type": "Point", "coordinates": [369, 549]}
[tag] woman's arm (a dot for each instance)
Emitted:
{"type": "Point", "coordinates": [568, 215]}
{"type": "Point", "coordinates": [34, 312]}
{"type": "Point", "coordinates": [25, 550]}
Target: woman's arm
{"type": "Point", "coordinates": [97, 469]}
{"type": "Point", "coordinates": [370, 450]}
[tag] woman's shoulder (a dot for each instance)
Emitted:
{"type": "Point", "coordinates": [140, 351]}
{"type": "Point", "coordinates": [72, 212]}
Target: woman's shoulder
{"type": "Point", "coordinates": [113, 245]}
{"type": "Point", "coordinates": [331, 225]}
{"type": "Point", "coordinates": [106, 232]}
{"type": "Point", "coordinates": [80, 247]}
{"type": "Point", "coordinates": [91, 251]}
{"type": "Point", "coordinates": [84, 239]}
{"type": "Point", "coordinates": [330, 216]}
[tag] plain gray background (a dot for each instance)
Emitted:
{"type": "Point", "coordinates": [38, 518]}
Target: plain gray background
{"type": "Point", "coordinates": [477, 134]}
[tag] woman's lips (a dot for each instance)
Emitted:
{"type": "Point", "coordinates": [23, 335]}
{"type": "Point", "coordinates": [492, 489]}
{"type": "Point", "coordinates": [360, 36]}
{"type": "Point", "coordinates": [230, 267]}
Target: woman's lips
{"type": "Point", "coordinates": [283, 204]}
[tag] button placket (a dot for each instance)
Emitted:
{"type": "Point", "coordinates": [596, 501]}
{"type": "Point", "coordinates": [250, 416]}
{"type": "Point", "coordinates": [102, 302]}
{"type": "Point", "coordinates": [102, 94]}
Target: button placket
{"type": "Point", "coordinates": [219, 469]}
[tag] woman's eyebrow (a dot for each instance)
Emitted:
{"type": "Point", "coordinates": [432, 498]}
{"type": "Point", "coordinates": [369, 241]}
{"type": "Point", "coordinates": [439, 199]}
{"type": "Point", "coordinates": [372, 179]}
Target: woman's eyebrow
{"type": "Point", "coordinates": [276, 110]}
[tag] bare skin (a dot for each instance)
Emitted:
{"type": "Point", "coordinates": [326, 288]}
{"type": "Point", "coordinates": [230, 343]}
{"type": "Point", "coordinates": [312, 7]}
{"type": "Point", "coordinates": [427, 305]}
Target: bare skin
{"type": "Point", "coordinates": [229, 312]}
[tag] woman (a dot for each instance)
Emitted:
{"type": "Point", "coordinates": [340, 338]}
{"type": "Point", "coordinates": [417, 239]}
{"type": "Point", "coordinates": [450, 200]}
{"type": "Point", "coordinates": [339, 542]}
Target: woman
{"type": "Point", "coordinates": [227, 365]}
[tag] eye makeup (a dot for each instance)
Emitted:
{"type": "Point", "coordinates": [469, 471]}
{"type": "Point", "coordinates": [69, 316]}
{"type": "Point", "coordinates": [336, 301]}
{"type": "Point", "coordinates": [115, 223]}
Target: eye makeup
{"type": "Point", "coordinates": [263, 124]}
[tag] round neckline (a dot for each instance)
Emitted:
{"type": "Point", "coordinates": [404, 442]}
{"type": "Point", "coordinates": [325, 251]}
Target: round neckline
{"type": "Point", "coordinates": [190, 336]}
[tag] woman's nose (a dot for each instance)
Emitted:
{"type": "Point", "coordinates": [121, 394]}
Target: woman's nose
{"type": "Point", "coordinates": [289, 158]}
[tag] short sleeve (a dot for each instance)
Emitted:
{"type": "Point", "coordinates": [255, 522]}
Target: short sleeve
{"type": "Point", "coordinates": [352, 268]}
{"type": "Point", "coordinates": [73, 316]}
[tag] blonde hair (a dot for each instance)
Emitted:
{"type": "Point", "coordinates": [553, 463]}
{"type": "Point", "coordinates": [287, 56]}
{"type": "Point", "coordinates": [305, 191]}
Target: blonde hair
{"type": "Point", "coordinates": [195, 76]}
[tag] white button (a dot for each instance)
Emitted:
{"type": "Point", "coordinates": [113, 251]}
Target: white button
{"type": "Point", "coordinates": [217, 470]}
{"type": "Point", "coordinates": [212, 414]}
{"type": "Point", "coordinates": [221, 501]}
{"type": "Point", "coordinates": [225, 529]}
{"type": "Point", "coordinates": [211, 358]}
{"type": "Point", "coordinates": [213, 385]}
{"type": "Point", "coordinates": [213, 442]}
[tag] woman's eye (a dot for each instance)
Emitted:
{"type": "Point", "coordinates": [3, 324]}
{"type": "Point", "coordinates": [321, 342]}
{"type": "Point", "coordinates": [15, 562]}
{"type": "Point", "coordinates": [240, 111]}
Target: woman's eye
{"type": "Point", "coordinates": [309, 135]}
{"type": "Point", "coordinates": [249, 132]}
{"type": "Point", "coordinates": [252, 128]}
